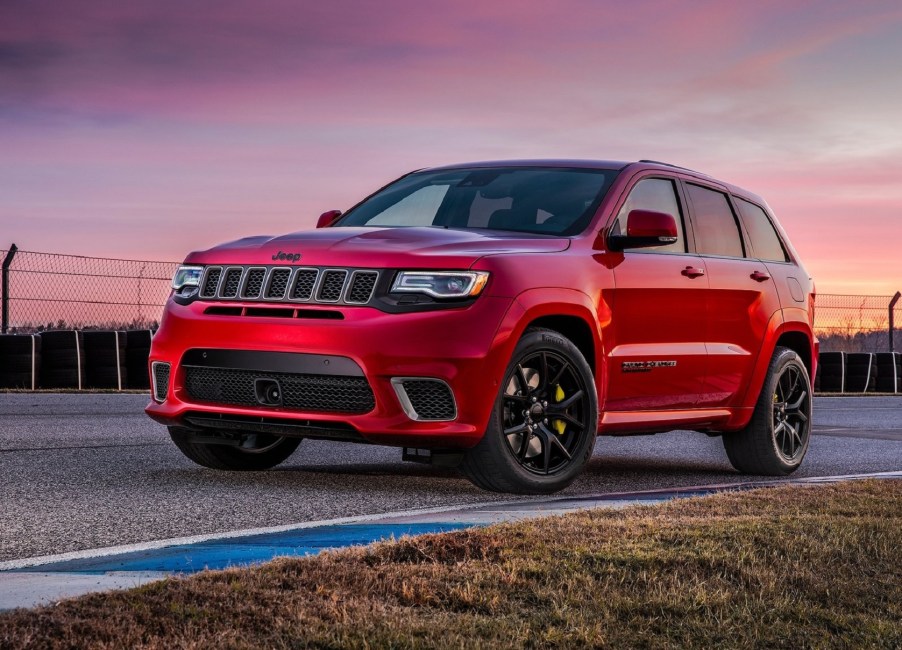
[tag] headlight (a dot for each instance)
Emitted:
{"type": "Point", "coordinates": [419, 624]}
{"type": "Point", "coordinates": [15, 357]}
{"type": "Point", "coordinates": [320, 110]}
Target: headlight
{"type": "Point", "coordinates": [187, 276]}
{"type": "Point", "coordinates": [442, 284]}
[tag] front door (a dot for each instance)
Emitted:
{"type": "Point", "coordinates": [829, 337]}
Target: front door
{"type": "Point", "coordinates": [657, 354]}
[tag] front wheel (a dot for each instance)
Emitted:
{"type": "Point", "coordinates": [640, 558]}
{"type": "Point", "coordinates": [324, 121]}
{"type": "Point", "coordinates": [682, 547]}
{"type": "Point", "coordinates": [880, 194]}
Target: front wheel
{"type": "Point", "coordinates": [249, 453]}
{"type": "Point", "coordinates": [776, 439]}
{"type": "Point", "coordinates": [542, 429]}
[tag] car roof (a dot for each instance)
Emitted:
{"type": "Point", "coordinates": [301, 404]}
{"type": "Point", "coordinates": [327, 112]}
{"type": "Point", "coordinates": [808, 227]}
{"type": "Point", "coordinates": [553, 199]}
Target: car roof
{"type": "Point", "coordinates": [619, 165]}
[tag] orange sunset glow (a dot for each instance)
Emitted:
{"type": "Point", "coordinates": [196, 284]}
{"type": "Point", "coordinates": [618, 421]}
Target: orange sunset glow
{"type": "Point", "coordinates": [147, 130]}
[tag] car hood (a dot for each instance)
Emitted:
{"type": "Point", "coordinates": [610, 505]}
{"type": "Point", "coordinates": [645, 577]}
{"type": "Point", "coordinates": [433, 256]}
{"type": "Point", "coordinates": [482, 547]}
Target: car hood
{"type": "Point", "coordinates": [379, 247]}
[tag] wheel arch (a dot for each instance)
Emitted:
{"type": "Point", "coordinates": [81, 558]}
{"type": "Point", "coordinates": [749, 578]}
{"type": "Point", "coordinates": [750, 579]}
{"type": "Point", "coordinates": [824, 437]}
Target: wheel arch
{"type": "Point", "coordinates": [574, 328]}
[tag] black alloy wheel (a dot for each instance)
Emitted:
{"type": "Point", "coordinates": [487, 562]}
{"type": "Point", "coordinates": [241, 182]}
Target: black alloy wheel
{"type": "Point", "coordinates": [776, 438]}
{"type": "Point", "coordinates": [791, 409]}
{"type": "Point", "coordinates": [542, 430]}
{"type": "Point", "coordinates": [545, 404]}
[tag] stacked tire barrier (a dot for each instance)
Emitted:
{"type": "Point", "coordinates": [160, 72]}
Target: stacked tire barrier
{"type": "Point", "coordinates": [62, 365]}
{"type": "Point", "coordinates": [105, 360]}
{"type": "Point", "coordinates": [889, 372]}
{"type": "Point", "coordinates": [831, 368]}
{"type": "Point", "coordinates": [71, 359]}
{"type": "Point", "coordinates": [20, 361]}
{"type": "Point", "coordinates": [137, 351]}
{"type": "Point", "coordinates": [859, 372]}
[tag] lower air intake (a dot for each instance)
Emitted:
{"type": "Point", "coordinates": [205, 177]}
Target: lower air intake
{"type": "Point", "coordinates": [160, 373]}
{"type": "Point", "coordinates": [425, 399]}
{"type": "Point", "coordinates": [319, 393]}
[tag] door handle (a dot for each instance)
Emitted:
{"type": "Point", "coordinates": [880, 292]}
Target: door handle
{"type": "Point", "coordinates": [758, 276]}
{"type": "Point", "coordinates": [692, 272]}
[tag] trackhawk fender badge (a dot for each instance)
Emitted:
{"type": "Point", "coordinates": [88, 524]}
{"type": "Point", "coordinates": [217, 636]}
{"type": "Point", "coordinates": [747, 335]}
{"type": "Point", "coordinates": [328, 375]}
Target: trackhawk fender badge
{"type": "Point", "coordinates": [287, 257]}
{"type": "Point", "coordinates": [646, 366]}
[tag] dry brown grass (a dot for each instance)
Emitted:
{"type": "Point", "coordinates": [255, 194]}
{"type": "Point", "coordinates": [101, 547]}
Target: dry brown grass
{"type": "Point", "coordinates": [789, 567]}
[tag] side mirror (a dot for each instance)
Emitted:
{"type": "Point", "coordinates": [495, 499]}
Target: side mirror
{"type": "Point", "coordinates": [645, 229]}
{"type": "Point", "coordinates": [326, 219]}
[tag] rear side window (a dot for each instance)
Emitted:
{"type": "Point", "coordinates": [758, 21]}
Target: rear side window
{"type": "Point", "coordinates": [657, 195]}
{"type": "Point", "coordinates": [765, 239]}
{"type": "Point", "coordinates": [715, 227]}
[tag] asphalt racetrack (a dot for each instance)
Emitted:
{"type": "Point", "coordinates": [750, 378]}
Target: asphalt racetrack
{"type": "Point", "coordinates": [81, 471]}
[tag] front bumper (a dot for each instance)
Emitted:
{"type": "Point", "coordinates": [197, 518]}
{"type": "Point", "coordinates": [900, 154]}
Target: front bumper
{"type": "Point", "coordinates": [465, 348]}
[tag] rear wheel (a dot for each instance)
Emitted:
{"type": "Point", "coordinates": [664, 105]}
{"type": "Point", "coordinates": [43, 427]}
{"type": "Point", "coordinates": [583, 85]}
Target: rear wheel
{"type": "Point", "coordinates": [244, 452]}
{"type": "Point", "coordinates": [542, 430]}
{"type": "Point", "coordinates": [776, 439]}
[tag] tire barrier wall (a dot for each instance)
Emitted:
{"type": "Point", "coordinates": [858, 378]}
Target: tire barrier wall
{"type": "Point", "coordinates": [20, 361]}
{"type": "Point", "coordinates": [71, 359]}
{"type": "Point", "coordinates": [859, 372]}
{"type": "Point", "coordinates": [118, 360]}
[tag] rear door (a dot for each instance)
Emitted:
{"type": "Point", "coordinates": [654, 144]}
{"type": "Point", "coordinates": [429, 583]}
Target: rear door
{"type": "Point", "coordinates": [657, 358]}
{"type": "Point", "coordinates": [742, 295]}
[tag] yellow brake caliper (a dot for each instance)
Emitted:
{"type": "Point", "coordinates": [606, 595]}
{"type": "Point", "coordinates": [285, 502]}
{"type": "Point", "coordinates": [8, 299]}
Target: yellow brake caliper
{"type": "Point", "coordinates": [559, 425]}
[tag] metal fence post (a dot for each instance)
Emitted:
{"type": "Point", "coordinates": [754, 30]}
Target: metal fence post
{"type": "Point", "coordinates": [892, 324]}
{"type": "Point", "coordinates": [7, 261]}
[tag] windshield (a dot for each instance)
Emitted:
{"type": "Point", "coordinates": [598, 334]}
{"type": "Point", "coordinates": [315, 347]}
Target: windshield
{"type": "Point", "coordinates": [551, 201]}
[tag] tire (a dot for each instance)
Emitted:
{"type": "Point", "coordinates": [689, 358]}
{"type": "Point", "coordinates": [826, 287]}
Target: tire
{"type": "Point", "coordinates": [273, 451]}
{"type": "Point", "coordinates": [16, 344]}
{"type": "Point", "coordinates": [519, 461]}
{"type": "Point", "coordinates": [15, 380]}
{"type": "Point", "coordinates": [763, 447]}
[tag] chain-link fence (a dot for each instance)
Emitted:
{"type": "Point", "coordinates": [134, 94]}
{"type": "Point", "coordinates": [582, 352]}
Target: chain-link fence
{"type": "Point", "coordinates": [45, 291]}
{"type": "Point", "coordinates": [52, 291]}
{"type": "Point", "coordinates": [846, 323]}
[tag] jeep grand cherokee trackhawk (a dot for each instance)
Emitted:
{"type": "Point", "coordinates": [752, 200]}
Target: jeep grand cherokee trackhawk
{"type": "Point", "coordinates": [496, 317]}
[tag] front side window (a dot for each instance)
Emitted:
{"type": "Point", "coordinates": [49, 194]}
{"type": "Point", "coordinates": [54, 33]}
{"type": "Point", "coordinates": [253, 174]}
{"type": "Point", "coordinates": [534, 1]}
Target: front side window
{"type": "Point", "coordinates": [765, 239]}
{"type": "Point", "coordinates": [550, 201]}
{"type": "Point", "coordinates": [715, 228]}
{"type": "Point", "coordinates": [657, 195]}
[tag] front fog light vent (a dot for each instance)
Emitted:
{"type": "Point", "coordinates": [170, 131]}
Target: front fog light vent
{"type": "Point", "coordinates": [160, 373]}
{"type": "Point", "coordinates": [425, 399]}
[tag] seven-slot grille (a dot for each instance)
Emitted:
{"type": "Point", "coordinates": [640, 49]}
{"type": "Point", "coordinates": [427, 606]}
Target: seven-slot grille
{"type": "Point", "coordinates": [286, 284]}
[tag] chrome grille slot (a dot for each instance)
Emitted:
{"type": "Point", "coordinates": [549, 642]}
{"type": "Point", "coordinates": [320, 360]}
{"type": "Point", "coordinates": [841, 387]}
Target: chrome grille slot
{"type": "Point", "coordinates": [331, 285]}
{"type": "Point", "coordinates": [304, 282]}
{"type": "Point", "coordinates": [231, 283]}
{"type": "Point", "coordinates": [361, 287]}
{"type": "Point", "coordinates": [211, 282]}
{"type": "Point", "coordinates": [253, 283]}
{"type": "Point", "coordinates": [278, 283]}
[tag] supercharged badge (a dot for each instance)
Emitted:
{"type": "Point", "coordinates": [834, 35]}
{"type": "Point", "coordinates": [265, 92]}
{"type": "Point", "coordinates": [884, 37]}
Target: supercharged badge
{"type": "Point", "coordinates": [646, 366]}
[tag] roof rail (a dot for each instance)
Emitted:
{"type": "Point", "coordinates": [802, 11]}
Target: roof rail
{"type": "Point", "coordinates": [658, 162]}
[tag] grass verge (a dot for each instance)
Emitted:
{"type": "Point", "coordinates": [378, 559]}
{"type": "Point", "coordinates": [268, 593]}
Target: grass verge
{"type": "Point", "coordinates": [789, 567]}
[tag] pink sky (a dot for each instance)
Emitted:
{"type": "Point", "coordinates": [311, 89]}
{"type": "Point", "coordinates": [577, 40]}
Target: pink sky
{"type": "Point", "coordinates": [150, 129]}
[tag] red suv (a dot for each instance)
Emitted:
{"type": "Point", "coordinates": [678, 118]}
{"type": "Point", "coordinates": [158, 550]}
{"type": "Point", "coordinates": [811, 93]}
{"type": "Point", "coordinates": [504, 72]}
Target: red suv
{"type": "Point", "coordinates": [496, 317]}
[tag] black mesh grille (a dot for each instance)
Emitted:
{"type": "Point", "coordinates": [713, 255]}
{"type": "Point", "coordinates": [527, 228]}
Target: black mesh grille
{"type": "Point", "coordinates": [230, 286]}
{"type": "Point", "coordinates": [362, 286]}
{"type": "Point", "coordinates": [278, 282]}
{"type": "Point", "coordinates": [432, 400]}
{"type": "Point", "coordinates": [210, 283]}
{"type": "Point", "coordinates": [303, 284]}
{"type": "Point", "coordinates": [254, 282]}
{"type": "Point", "coordinates": [160, 381]}
{"type": "Point", "coordinates": [323, 393]}
{"type": "Point", "coordinates": [330, 288]}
